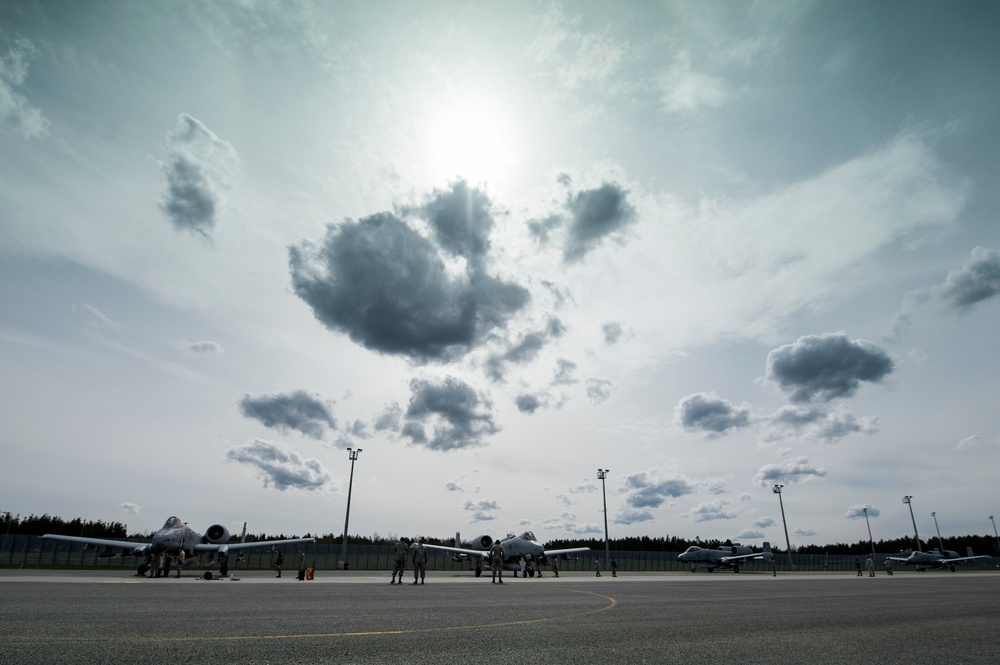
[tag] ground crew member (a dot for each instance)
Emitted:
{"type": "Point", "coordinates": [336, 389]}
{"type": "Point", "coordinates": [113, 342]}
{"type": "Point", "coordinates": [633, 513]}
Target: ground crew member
{"type": "Point", "coordinates": [597, 567]}
{"type": "Point", "coordinates": [419, 562]}
{"type": "Point", "coordinates": [614, 568]}
{"type": "Point", "coordinates": [497, 561]}
{"type": "Point", "coordinates": [555, 566]}
{"type": "Point", "coordinates": [774, 568]}
{"type": "Point", "coordinates": [871, 567]}
{"type": "Point", "coordinates": [277, 563]}
{"type": "Point", "coordinates": [300, 562]}
{"type": "Point", "coordinates": [888, 567]}
{"type": "Point", "coordinates": [857, 566]}
{"type": "Point", "coordinates": [400, 565]}
{"type": "Point", "coordinates": [179, 561]}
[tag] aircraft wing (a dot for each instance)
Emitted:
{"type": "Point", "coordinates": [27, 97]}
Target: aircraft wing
{"type": "Point", "coordinates": [233, 547]}
{"type": "Point", "coordinates": [482, 554]}
{"type": "Point", "coordinates": [572, 550]}
{"type": "Point", "coordinates": [898, 558]}
{"type": "Point", "coordinates": [960, 559]}
{"type": "Point", "coordinates": [740, 557]}
{"type": "Point", "coordinates": [128, 545]}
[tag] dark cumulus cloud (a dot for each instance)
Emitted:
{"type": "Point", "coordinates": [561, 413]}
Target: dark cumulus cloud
{"type": "Point", "coordinates": [197, 173]}
{"type": "Point", "coordinates": [588, 218]}
{"type": "Point", "coordinates": [458, 416]}
{"type": "Point", "coordinates": [598, 390]}
{"type": "Point", "coordinates": [523, 351]}
{"type": "Point", "coordinates": [820, 368]}
{"type": "Point", "coordinates": [461, 219]}
{"type": "Point", "coordinates": [646, 490]}
{"type": "Point", "coordinates": [388, 287]}
{"type": "Point", "coordinates": [709, 413]}
{"type": "Point", "coordinates": [817, 422]}
{"type": "Point", "coordinates": [792, 471]}
{"type": "Point", "coordinates": [285, 469]}
{"type": "Point", "coordinates": [976, 281]}
{"type": "Point", "coordinates": [528, 403]}
{"type": "Point", "coordinates": [301, 411]}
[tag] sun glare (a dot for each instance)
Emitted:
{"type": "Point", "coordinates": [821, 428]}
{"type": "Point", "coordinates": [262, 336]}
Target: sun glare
{"type": "Point", "coordinates": [469, 142]}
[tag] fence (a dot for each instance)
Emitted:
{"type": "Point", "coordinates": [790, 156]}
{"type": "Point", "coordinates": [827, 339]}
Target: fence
{"type": "Point", "coordinates": [31, 551]}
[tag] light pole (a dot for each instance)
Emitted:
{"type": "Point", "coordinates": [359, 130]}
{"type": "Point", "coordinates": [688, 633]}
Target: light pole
{"type": "Point", "coordinates": [788, 545]}
{"type": "Point", "coordinates": [916, 536]}
{"type": "Point", "coordinates": [995, 533]}
{"type": "Point", "coordinates": [940, 542]}
{"type": "Point", "coordinates": [601, 475]}
{"type": "Point", "coordinates": [353, 455]}
{"type": "Point", "coordinates": [872, 542]}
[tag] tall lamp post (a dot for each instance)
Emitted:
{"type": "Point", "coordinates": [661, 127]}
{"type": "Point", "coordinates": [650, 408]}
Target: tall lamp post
{"type": "Point", "coordinates": [601, 475]}
{"type": "Point", "coordinates": [936, 528]}
{"type": "Point", "coordinates": [788, 545]}
{"type": "Point", "coordinates": [916, 536]}
{"type": "Point", "coordinates": [353, 455]}
{"type": "Point", "coordinates": [995, 533]}
{"type": "Point", "coordinates": [872, 542]}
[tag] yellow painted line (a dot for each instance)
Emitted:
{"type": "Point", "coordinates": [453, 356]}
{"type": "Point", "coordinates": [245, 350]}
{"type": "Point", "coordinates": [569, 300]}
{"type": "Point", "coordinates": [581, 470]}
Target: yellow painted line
{"type": "Point", "coordinates": [232, 638]}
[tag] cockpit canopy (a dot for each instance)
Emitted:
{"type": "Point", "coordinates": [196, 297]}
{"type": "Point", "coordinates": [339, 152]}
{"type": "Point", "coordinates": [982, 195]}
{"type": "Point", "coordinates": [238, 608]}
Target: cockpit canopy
{"type": "Point", "coordinates": [528, 535]}
{"type": "Point", "coordinates": [173, 523]}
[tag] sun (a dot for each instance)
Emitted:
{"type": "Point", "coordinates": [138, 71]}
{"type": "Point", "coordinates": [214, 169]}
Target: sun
{"type": "Point", "coordinates": [469, 141]}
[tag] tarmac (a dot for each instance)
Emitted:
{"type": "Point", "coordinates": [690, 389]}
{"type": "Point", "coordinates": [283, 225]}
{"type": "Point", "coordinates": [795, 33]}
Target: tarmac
{"type": "Point", "coordinates": [73, 616]}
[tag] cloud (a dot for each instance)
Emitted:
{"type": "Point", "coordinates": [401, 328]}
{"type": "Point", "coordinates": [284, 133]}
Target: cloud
{"type": "Point", "coordinates": [390, 419]}
{"type": "Point", "coordinates": [524, 351]}
{"type": "Point", "coordinates": [461, 416]}
{"type": "Point", "coordinates": [825, 367]}
{"type": "Point", "coordinates": [749, 534]}
{"type": "Point", "coordinates": [458, 484]}
{"type": "Point", "coordinates": [713, 510]}
{"type": "Point", "coordinates": [95, 319]}
{"type": "Point", "coordinates": [687, 90]}
{"type": "Point", "coordinates": [857, 511]}
{"type": "Point", "coordinates": [817, 422]}
{"type": "Point", "coordinates": [804, 533]}
{"type": "Point", "coordinates": [649, 489]}
{"type": "Point", "coordinates": [198, 171]}
{"type": "Point", "coordinates": [461, 219]}
{"type": "Point", "coordinates": [301, 411]}
{"type": "Point", "coordinates": [595, 214]}
{"type": "Point", "coordinates": [612, 332]}
{"type": "Point", "coordinates": [792, 471]}
{"type": "Point", "coordinates": [563, 374]}
{"type": "Point", "coordinates": [527, 403]}
{"type": "Point", "coordinates": [389, 289]}
{"type": "Point", "coordinates": [17, 115]}
{"type": "Point", "coordinates": [764, 523]}
{"type": "Point", "coordinates": [713, 485]}
{"type": "Point", "coordinates": [282, 468]}
{"type": "Point", "coordinates": [978, 280]}
{"type": "Point", "coordinates": [586, 486]}
{"type": "Point", "coordinates": [709, 413]}
{"type": "Point", "coordinates": [131, 508]}
{"type": "Point", "coordinates": [482, 511]}
{"type": "Point", "coordinates": [205, 347]}
{"type": "Point", "coordinates": [598, 390]}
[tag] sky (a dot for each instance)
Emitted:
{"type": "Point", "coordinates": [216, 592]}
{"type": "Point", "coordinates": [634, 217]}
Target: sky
{"type": "Point", "coordinates": [709, 247]}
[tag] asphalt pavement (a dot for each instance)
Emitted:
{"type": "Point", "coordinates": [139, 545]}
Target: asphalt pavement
{"type": "Point", "coordinates": [358, 617]}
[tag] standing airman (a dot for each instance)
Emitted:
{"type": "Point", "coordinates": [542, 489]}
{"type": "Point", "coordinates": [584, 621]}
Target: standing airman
{"type": "Point", "coordinates": [497, 561]}
{"type": "Point", "coordinates": [400, 564]}
{"type": "Point", "coordinates": [419, 562]}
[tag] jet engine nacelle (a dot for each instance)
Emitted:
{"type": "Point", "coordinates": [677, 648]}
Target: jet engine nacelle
{"type": "Point", "coordinates": [951, 554]}
{"type": "Point", "coordinates": [484, 542]}
{"type": "Point", "coordinates": [216, 534]}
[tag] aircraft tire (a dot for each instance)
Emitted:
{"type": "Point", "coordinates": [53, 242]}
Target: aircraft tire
{"type": "Point", "coordinates": [531, 572]}
{"type": "Point", "coordinates": [736, 569]}
{"type": "Point", "coordinates": [693, 569]}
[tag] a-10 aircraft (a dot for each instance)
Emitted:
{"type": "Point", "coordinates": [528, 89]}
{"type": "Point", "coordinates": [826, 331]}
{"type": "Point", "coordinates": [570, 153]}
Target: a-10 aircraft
{"type": "Point", "coordinates": [176, 535]}
{"type": "Point", "coordinates": [723, 557]}
{"type": "Point", "coordinates": [934, 559]}
{"type": "Point", "coordinates": [520, 553]}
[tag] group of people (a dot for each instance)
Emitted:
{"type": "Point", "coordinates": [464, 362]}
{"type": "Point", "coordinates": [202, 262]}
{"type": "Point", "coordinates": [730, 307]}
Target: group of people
{"type": "Point", "coordinates": [870, 566]}
{"type": "Point", "coordinates": [300, 562]}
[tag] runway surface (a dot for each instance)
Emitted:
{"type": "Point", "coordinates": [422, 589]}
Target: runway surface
{"type": "Point", "coordinates": [358, 617]}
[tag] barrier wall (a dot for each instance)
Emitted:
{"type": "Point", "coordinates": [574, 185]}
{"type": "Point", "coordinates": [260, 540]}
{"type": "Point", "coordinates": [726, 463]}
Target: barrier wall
{"type": "Point", "coordinates": [31, 551]}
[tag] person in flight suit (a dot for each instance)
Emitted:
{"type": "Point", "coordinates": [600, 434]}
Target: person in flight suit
{"type": "Point", "coordinates": [419, 562]}
{"type": "Point", "coordinates": [497, 561]}
{"type": "Point", "coordinates": [400, 565]}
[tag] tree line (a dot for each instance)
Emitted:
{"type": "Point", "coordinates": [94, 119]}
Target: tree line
{"type": "Point", "coordinates": [37, 525]}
